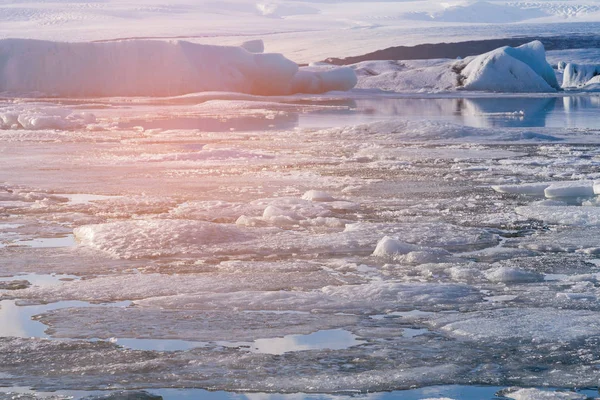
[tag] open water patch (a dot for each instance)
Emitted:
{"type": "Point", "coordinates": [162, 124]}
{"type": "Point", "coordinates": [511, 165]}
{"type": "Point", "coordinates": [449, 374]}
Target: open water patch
{"type": "Point", "coordinates": [19, 320]}
{"type": "Point", "coordinates": [328, 339]}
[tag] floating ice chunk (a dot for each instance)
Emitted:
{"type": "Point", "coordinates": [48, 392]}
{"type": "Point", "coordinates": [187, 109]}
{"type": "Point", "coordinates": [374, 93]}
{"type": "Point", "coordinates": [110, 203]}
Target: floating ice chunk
{"type": "Point", "coordinates": [597, 187]}
{"type": "Point", "coordinates": [570, 189]}
{"type": "Point", "coordinates": [562, 215]}
{"type": "Point", "coordinates": [272, 211]}
{"type": "Point", "coordinates": [512, 275]}
{"type": "Point", "coordinates": [153, 68]}
{"type": "Point", "coordinates": [576, 296]}
{"type": "Point", "coordinates": [539, 394]}
{"type": "Point", "coordinates": [104, 322]}
{"type": "Point", "coordinates": [508, 69]}
{"type": "Point", "coordinates": [158, 237]}
{"type": "Point", "coordinates": [426, 255]}
{"type": "Point", "coordinates": [578, 75]}
{"type": "Point", "coordinates": [142, 286]}
{"type": "Point", "coordinates": [539, 324]}
{"type": "Point", "coordinates": [43, 117]}
{"type": "Point", "coordinates": [533, 189]}
{"type": "Point", "coordinates": [315, 195]}
{"type": "Point", "coordinates": [389, 247]}
{"type": "Point", "coordinates": [288, 211]}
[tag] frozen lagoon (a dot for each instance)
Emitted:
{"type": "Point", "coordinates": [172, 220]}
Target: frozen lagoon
{"type": "Point", "coordinates": [208, 235]}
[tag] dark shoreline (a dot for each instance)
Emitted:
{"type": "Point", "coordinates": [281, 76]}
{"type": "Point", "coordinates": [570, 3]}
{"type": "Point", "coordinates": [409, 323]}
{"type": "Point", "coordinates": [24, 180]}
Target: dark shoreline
{"type": "Point", "coordinates": [467, 48]}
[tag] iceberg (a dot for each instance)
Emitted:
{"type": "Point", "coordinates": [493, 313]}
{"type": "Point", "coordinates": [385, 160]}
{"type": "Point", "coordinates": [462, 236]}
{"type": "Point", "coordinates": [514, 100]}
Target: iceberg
{"type": "Point", "coordinates": [154, 68]}
{"type": "Point", "coordinates": [579, 75]}
{"type": "Point", "coordinates": [511, 69]}
{"type": "Point", "coordinates": [522, 69]}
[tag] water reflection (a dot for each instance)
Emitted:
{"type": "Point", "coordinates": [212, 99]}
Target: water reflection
{"type": "Point", "coordinates": [283, 121]}
{"type": "Point", "coordinates": [482, 112]}
{"type": "Point", "coordinates": [332, 339]}
{"type": "Point", "coordinates": [17, 321]}
{"type": "Point", "coordinates": [488, 112]}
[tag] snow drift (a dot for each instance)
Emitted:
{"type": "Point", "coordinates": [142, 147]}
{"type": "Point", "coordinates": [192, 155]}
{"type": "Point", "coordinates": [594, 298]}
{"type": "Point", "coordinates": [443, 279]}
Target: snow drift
{"type": "Point", "coordinates": [154, 68]}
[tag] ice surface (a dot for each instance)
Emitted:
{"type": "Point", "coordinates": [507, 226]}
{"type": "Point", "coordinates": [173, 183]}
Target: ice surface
{"type": "Point", "coordinates": [316, 195]}
{"type": "Point", "coordinates": [151, 68]}
{"type": "Point", "coordinates": [388, 247]}
{"type": "Point", "coordinates": [156, 222]}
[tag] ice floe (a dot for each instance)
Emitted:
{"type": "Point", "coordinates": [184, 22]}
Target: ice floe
{"type": "Point", "coordinates": [522, 324]}
{"type": "Point", "coordinates": [152, 238]}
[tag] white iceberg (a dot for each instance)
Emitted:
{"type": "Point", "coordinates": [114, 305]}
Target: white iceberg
{"type": "Point", "coordinates": [155, 68]}
{"type": "Point", "coordinates": [508, 69]}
